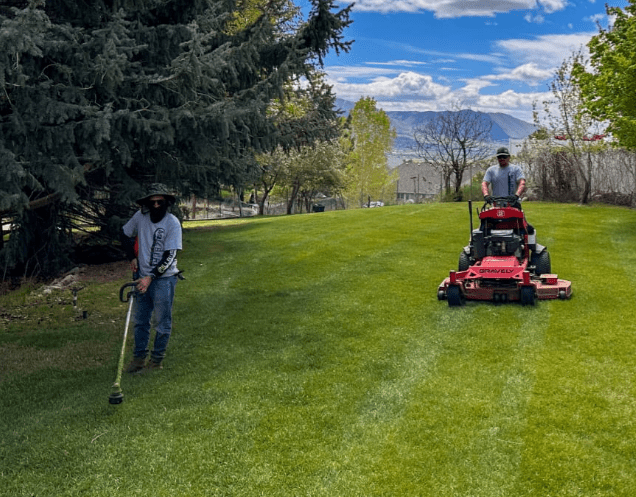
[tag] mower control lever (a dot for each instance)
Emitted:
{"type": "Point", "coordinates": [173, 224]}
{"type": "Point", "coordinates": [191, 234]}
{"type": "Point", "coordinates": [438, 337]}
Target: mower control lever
{"type": "Point", "coordinates": [501, 201]}
{"type": "Point", "coordinates": [121, 291]}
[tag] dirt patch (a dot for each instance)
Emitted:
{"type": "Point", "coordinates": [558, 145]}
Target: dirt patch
{"type": "Point", "coordinates": [103, 273]}
{"type": "Point", "coordinates": [96, 273]}
{"type": "Point", "coordinates": [38, 311]}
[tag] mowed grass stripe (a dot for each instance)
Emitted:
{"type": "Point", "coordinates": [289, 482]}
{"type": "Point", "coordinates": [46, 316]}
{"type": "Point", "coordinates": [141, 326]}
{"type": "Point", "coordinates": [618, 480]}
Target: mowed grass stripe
{"type": "Point", "coordinates": [441, 438]}
{"type": "Point", "coordinates": [586, 387]}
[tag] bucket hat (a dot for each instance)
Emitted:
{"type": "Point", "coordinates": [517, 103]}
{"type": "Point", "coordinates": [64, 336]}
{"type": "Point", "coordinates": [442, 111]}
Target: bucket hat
{"type": "Point", "coordinates": [157, 189]}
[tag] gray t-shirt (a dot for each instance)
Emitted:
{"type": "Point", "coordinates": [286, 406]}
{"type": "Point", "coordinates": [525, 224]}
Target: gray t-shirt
{"type": "Point", "coordinates": [154, 240]}
{"type": "Point", "coordinates": [504, 179]}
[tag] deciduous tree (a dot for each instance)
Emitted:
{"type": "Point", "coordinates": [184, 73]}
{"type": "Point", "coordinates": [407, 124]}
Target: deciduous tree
{"type": "Point", "coordinates": [569, 122]}
{"type": "Point", "coordinates": [608, 86]}
{"type": "Point", "coordinates": [453, 142]}
{"type": "Point", "coordinates": [372, 138]}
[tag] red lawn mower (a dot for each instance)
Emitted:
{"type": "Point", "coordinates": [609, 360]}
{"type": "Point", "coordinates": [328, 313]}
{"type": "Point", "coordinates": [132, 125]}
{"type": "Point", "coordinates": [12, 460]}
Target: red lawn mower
{"type": "Point", "coordinates": [499, 264]}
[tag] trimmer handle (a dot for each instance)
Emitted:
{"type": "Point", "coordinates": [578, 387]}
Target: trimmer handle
{"type": "Point", "coordinates": [121, 291]}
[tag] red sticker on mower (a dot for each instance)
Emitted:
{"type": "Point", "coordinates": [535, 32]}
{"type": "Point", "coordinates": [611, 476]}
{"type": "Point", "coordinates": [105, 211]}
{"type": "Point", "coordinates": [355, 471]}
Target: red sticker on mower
{"type": "Point", "coordinates": [501, 213]}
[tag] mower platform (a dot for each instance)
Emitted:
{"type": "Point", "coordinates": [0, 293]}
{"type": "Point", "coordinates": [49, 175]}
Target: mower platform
{"type": "Point", "coordinates": [471, 285]}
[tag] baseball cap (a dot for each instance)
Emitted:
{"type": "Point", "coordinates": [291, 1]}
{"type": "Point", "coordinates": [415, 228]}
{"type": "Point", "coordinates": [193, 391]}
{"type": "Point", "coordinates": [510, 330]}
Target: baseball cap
{"type": "Point", "coordinates": [503, 151]}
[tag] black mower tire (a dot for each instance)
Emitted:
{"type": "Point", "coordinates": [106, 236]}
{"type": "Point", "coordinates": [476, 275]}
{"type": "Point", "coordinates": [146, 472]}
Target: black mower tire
{"type": "Point", "coordinates": [541, 263]}
{"type": "Point", "coordinates": [454, 296]}
{"type": "Point", "coordinates": [464, 262]}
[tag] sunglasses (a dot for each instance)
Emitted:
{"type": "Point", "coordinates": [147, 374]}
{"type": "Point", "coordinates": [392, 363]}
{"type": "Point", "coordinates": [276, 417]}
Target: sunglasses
{"type": "Point", "coordinates": [160, 203]}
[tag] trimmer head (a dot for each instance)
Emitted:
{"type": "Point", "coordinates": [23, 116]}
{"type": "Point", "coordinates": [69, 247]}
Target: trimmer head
{"type": "Point", "coordinates": [116, 398]}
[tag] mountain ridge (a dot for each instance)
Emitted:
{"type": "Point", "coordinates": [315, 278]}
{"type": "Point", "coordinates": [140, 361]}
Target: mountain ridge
{"type": "Point", "coordinates": [504, 126]}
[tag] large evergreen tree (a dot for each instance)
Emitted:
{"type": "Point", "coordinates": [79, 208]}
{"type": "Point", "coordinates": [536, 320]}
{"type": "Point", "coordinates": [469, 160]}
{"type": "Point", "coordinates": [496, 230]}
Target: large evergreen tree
{"type": "Point", "coordinates": [103, 96]}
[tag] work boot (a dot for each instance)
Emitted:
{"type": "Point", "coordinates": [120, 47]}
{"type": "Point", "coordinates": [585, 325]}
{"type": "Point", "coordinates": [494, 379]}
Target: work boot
{"type": "Point", "coordinates": [154, 365]}
{"type": "Point", "coordinates": [136, 365]}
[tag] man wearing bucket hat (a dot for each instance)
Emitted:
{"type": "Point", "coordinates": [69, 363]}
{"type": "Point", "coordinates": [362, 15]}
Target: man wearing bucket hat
{"type": "Point", "coordinates": [159, 238]}
{"type": "Point", "coordinates": [507, 180]}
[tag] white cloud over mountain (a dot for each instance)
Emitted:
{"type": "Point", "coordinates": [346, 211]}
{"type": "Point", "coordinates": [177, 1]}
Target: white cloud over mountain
{"type": "Point", "coordinates": [403, 85]}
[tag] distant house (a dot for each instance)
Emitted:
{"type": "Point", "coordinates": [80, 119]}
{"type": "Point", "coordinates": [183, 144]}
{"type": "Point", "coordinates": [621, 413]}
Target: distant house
{"type": "Point", "coordinates": [417, 182]}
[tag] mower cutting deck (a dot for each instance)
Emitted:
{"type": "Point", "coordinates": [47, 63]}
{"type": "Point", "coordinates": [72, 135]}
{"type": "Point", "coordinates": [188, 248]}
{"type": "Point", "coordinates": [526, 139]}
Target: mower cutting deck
{"type": "Point", "coordinates": [500, 264]}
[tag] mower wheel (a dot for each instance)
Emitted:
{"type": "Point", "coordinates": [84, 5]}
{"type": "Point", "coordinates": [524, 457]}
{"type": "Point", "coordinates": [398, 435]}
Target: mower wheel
{"type": "Point", "coordinates": [527, 295]}
{"type": "Point", "coordinates": [454, 296]}
{"type": "Point", "coordinates": [541, 263]}
{"type": "Point", "coordinates": [464, 262]}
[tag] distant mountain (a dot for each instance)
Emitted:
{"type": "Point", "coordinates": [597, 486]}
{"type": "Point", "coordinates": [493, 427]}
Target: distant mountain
{"type": "Point", "coordinates": [504, 126]}
{"type": "Point", "coordinates": [344, 105]}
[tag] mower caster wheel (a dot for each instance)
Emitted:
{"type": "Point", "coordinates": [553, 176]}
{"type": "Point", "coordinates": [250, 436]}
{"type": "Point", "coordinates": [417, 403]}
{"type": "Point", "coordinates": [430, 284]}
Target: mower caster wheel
{"type": "Point", "coordinates": [562, 295]}
{"type": "Point", "coordinates": [441, 295]}
{"type": "Point", "coordinates": [454, 296]}
{"type": "Point", "coordinates": [527, 295]}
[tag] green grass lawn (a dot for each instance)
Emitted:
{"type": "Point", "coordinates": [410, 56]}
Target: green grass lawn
{"type": "Point", "coordinates": [311, 357]}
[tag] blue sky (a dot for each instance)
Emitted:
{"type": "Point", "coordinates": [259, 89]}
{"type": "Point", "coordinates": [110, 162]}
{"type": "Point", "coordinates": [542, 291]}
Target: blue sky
{"type": "Point", "coordinates": [493, 56]}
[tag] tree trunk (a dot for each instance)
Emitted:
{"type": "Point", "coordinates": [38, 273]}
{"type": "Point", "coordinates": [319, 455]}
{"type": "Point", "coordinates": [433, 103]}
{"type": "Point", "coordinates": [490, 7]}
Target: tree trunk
{"type": "Point", "coordinates": [587, 180]}
{"type": "Point", "coordinates": [294, 194]}
{"type": "Point", "coordinates": [459, 175]}
{"type": "Point", "coordinates": [261, 203]}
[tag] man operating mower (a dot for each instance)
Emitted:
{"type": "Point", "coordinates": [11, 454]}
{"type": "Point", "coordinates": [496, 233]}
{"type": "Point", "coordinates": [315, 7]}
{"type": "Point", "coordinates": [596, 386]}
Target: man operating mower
{"type": "Point", "coordinates": [506, 180]}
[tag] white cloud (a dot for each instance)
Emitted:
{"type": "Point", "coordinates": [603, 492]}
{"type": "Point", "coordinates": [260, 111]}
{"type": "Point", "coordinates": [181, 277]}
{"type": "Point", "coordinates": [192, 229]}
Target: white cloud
{"type": "Point", "coordinates": [596, 18]}
{"type": "Point", "coordinates": [344, 73]}
{"type": "Point", "coordinates": [398, 63]}
{"type": "Point", "coordinates": [529, 73]}
{"type": "Point", "coordinates": [547, 50]}
{"type": "Point", "coordinates": [511, 102]}
{"type": "Point", "coordinates": [537, 19]}
{"type": "Point", "coordinates": [407, 85]}
{"type": "Point", "coordinates": [458, 8]}
{"type": "Point", "coordinates": [551, 6]}
{"type": "Point", "coordinates": [419, 92]}
{"type": "Point", "coordinates": [473, 87]}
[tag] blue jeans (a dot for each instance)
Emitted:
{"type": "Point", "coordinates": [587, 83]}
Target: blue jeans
{"type": "Point", "coordinates": [158, 298]}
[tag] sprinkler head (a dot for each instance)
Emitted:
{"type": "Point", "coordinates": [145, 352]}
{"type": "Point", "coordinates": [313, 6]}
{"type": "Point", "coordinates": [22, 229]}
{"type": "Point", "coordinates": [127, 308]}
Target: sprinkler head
{"type": "Point", "coordinates": [116, 398]}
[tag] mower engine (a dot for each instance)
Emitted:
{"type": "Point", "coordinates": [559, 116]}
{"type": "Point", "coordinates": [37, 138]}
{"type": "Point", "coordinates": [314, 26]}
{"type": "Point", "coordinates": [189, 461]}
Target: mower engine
{"type": "Point", "coordinates": [500, 242]}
